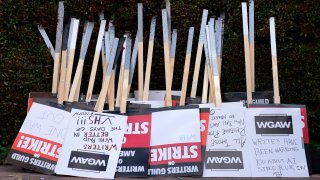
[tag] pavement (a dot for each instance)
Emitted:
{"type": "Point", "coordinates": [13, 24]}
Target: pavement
{"type": "Point", "coordinates": [9, 172]}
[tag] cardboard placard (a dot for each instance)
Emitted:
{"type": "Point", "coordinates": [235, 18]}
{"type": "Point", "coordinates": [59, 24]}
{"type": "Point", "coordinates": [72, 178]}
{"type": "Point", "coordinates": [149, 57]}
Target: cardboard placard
{"type": "Point", "coordinates": [175, 142]}
{"type": "Point", "coordinates": [92, 145]}
{"type": "Point", "coordinates": [227, 148]}
{"type": "Point", "coordinates": [39, 141]}
{"type": "Point", "coordinates": [276, 145]}
{"type": "Point", "coordinates": [134, 154]}
{"type": "Point", "coordinates": [258, 97]}
{"type": "Point", "coordinates": [154, 104]}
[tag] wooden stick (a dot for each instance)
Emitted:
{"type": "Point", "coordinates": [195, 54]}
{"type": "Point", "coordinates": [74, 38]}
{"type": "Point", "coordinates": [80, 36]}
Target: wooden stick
{"type": "Point", "coordinates": [251, 42]}
{"type": "Point", "coordinates": [63, 67]}
{"type": "Point", "coordinates": [46, 40]}
{"type": "Point", "coordinates": [166, 57]}
{"type": "Point", "coordinates": [206, 77]}
{"type": "Point", "coordinates": [220, 42]}
{"type": "Point", "coordinates": [133, 62]}
{"type": "Point", "coordinates": [173, 53]}
{"type": "Point", "coordinates": [126, 70]}
{"type": "Point", "coordinates": [218, 24]}
{"type": "Point", "coordinates": [214, 65]}
{"type": "Point", "coordinates": [140, 50]}
{"type": "Point", "coordinates": [247, 52]}
{"type": "Point", "coordinates": [274, 61]}
{"type": "Point", "coordinates": [73, 33]}
{"type": "Point", "coordinates": [168, 8]}
{"type": "Point", "coordinates": [120, 81]}
{"type": "Point", "coordinates": [56, 65]}
{"type": "Point", "coordinates": [111, 91]}
{"type": "Point", "coordinates": [95, 60]}
{"type": "Point", "coordinates": [208, 67]}
{"type": "Point", "coordinates": [83, 51]}
{"type": "Point", "coordinates": [149, 60]}
{"type": "Point", "coordinates": [103, 93]}
{"type": "Point", "coordinates": [103, 51]}
{"type": "Point", "coordinates": [186, 68]}
{"type": "Point", "coordinates": [199, 54]}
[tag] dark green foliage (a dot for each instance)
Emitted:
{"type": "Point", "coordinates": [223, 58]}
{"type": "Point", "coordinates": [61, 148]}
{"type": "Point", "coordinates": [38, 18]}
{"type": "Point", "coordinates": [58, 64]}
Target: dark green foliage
{"type": "Point", "coordinates": [26, 65]}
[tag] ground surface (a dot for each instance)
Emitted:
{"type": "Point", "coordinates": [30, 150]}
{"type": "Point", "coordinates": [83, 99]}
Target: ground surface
{"type": "Point", "coordinates": [15, 173]}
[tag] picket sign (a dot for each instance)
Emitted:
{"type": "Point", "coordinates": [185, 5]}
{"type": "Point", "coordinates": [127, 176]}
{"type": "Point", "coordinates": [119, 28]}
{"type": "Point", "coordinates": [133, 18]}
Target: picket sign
{"type": "Point", "coordinates": [149, 59]}
{"type": "Point", "coordinates": [135, 151]}
{"type": "Point", "coordinates": [95, 60]}
{"type": "Point", "coordinates": [39, 141]}
{"type": "Point", "coordinates": [276, 146]}
{"type": "Point", "coordinates": [75, 88]}
{"type": "Point", "coordinates": [226, 152]}
{"type": "Point", "coordinates": [186, 68]}
{"type": "Point", "coordinates": [175, 130]}
{"type": "Point", "coordinates": [92, 145]}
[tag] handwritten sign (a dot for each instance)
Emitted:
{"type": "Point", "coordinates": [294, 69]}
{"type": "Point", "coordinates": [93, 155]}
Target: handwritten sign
{"type": "Point", "coordinates": [175, 142]}
{"type": "Point", "coordinates": [226, 151]}
{"type": "Point", "coordinates": [92, 145]}
{"type": "Point", "coordinates": [134, 154]}
{"type": "Point", "coordinates": [277, 142]}
{"type": "Point", "coordinates": [40, 138]}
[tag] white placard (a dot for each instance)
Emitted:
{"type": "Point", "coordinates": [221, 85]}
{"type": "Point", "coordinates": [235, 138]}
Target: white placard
{"type": "Point", "coordinates": [227, 151]}
{"type": "Point", "coordinates": [92, 145]}
{"type": "Point", "coordinates": [276, 145]}
{"type": "Point", "coordinates": [157, 95]}
{"type": "Point", "coordinates": [39, 141]}
{"type": "Point", "coordinates": [154, 104]}
{"type": "Point", "coordinates": [175, 142]}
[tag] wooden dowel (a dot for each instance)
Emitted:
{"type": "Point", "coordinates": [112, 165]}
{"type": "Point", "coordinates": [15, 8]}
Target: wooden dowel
{"type": "Point", "coordinates": [75, 88]}
{"type": "Point", "coordinates": [251, 42]}
{"type": "Point", "coordinates": [205, 86]}
{"type": "Point", "coordinates": [124, 97]}
{"type": "Point", "coordinates": [73, 33]}
{"type": "Point", "coordinates": [247, 52]}
{"type": "Point", "coordinates": [63, 66]}
{"type": "Point", "coordinates": [56, 66]}
{"type": "Point", "coordinates": [133, 62]}
{"type": "Point", "coordinates": [149, 60]}
{"type": "Point", "coordinates": [111, 92]}
{"type": "Point", "coordinates": [95, 60]}
{"type": "Point", "coordinates": [199, 54]}
{"type": "Point", "coordinates": [274, 61]}
{"type": "Point", "coordinates": [121, 73]}
{"type": "Point", "coordinates": [103, 93]}
{"type": "Point", "coordinates": [173, 53]}
{"type": "Point", "coordinates": [140, 51]}
{"type": "Point", "coordinates": [46, 40]}
{"type": "Point", "coordinates": [186, 68]}
{"type": "Point", "coordinates": [168, 100]}
{"type": "Point", "coordinates": [208, 65]}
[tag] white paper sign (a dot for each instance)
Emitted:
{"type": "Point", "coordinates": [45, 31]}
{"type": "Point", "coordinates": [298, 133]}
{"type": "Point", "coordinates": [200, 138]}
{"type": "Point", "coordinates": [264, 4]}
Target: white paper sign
{"type": "Point", "coordinates": [277, 144]}
{"type": "Point", "coordinates": [154, 104]}
{"type": "Point", "coordinates": [157, 95]}
{"type": "Point", "coordinates": [227, 148]}
{"type": "Point", "coordinates": [175, 142]}
{"type": "Point", "coordinates": [92, 145]}
{"type": "Point", "coordinates": [40, 139]}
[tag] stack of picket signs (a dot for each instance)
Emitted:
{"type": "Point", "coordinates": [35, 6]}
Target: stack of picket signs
{"type": "Point", "coordinates": [158, 133]}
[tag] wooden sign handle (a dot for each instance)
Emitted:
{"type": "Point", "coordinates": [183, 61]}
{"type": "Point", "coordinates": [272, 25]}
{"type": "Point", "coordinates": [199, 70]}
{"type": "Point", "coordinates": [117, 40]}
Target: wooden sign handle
{"type": "Point", "coordinates": [251, 42]}
{"type": "Point", "coordinates": [274, 61]}
{"type": "Point", "coordinates": [140, 51]}
{"type": "Point", "coordinates": [247, 52]}
{"type": "Point", "coordinates": [149, 60]}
